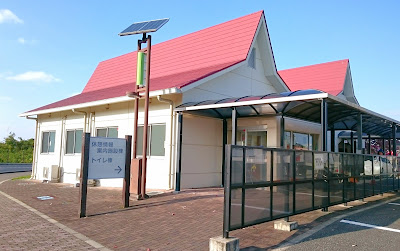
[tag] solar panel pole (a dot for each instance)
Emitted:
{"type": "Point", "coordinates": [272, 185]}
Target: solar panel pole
{"type": "Point", "coordinates": [146, 115]}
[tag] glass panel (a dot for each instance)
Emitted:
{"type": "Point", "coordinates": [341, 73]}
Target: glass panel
{"type": "Point", "coordinates": [303, 196]}
{"type": "Point", "coordinates": [336, 191]}
{"type": "Point", "coordinates": [300, 141]}
{"type": "Point", "coordinates": [348, 165]}
{"type": "Point", "coordinates": [303, 165]}
{"type": "Point", "coordinates": [70, 142]}
{"type": "Point", "coordinates": [112, 132]}
{"type": "Point", "coordinates": [236, 208]}
{"type": "Point", "coordinates": [359, 165]}
{"type": "Point", "coordinates": [257, 138]}
{"type": "Point", "coordinates": [368, 165]}
{"type": "Point", "coordinates": [359, 187]}
{"type": "Point", "coordinates": [45, 142]}
{"type": "Point", "coordinates": [348, 189]}
{"type": "Point", "coordinates": [157, 144]}
{"type": "Point", "coordinates": [314, 142]}
{"type": "Point", "coordinates": [52, 141]}
{"type": "Point", "coordinates": [369, 184]}
{"type": "Point", "coordinates": [283, 166]}
{"type": "Point", "coordinates": [335, 165]}
{"type": "Point", "coordinates": [237, 166]}
{"type": "Point", "coordinates": [101, 132]}
{"type": "Point", "coordinates": [288, 140]}
{"type": "Point", "coordinates": [310, 142]}
{"type": "Point", "coordinates": [256, 166]}
{"type": "Point", "coordinates": [78, 141]}
{"type": "Point", "coordinates": [282, 201]}
{"type": "Point", "coordinates": [320, 194]}
{"type": "Point", "coordinates": [320, 165]}
{"type": "Point", "coordinates": [257, 204]}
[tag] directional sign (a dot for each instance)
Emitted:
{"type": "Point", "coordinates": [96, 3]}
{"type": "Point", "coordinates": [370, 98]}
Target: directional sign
{"type": "Point", "coordinates": [106, 158]}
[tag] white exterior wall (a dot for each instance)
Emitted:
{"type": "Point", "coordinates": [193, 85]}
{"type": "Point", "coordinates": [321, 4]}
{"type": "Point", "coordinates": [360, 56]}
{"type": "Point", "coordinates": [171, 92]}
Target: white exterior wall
{"type": "Point", "coordinates": [242, 81]}
{"type": "Point", "coordinates": [201, 152]}
{"type": "Point", "coordinates": [114, 115]}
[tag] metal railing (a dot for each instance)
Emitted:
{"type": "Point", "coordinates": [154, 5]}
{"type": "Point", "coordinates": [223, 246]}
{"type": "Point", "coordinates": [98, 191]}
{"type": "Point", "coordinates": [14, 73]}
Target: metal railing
{"type": "Point", "coordinates": [265, 184]}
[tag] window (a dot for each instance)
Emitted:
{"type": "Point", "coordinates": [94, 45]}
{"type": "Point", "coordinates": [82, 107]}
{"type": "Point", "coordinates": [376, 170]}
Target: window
{"type": "Point", "coordinates": [300, 141]}
{"type": "Point", "coordinates": [155, 140]}
{"type": "Point", "coordinates": [74, 141]}
{"type": "Point", "coordinates": [288, 140]}
{"type": "Point", "coordinates": [108, 132]}
{"type": "Point", "coordinates": [48, 142]}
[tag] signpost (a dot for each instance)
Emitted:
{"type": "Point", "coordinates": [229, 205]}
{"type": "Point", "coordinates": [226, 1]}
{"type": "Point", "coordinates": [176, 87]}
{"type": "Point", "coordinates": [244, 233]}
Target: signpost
{"type": "Point", "coordinates": [105, 158]}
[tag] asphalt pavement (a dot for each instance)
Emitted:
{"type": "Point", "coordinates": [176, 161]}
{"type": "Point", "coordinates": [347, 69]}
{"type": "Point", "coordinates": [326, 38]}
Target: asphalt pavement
{"type": "Point", "coordinates": [377, 228]}
{"type": "Point", "coordinates": [12, 168]}
{"type": "Point", "coordinates": [8, 176]}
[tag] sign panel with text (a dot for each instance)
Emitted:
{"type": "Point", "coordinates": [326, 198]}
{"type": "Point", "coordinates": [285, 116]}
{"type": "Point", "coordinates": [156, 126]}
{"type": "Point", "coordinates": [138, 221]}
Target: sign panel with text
{"type": "Point", "coordinates": [106, 158]}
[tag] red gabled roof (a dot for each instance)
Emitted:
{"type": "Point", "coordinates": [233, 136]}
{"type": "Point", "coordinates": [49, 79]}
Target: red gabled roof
{"type": "Point", "coordinates": [174, 63]}
{"type": "Point", "coordinates": [327, 77]}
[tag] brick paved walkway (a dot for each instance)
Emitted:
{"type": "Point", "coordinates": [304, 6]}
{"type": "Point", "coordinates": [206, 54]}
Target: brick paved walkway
{"type": "Point", "coordinates": [24, 230]}
{"type": "Point", "coordinates": [183, 221]}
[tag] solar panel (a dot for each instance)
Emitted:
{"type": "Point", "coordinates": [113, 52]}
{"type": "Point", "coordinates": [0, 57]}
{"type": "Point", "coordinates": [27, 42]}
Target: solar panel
{"type": "Point", "coordinates": [144, 27]}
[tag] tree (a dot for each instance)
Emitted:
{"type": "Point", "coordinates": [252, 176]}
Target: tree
{"type": "Point", "coordinates": [16, 150]}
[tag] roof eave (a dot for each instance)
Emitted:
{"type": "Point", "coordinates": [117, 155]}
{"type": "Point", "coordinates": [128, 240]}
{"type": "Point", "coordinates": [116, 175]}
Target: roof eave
{"type": "Point", "coordinates": [99, 102]}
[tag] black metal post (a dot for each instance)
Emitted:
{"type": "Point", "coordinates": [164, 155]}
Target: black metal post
{"type": "Point", "coordinates": [127, 178]}
{"type": "Point", "coordinates": [179, 153]}
{"type": "Point", "coordinates": [394, 145]}
{"type": "Point", "coordinates": [84, 174]}
{"type": "Point", "coordinates": [224, 142]}
{"type": "Point", "coordinates": [234, 125]}
{"type": "Point", "coordinates": [333, 140]}
{"type": "Point", "coordinates": [324, 123]}
{"type": "Point", "coordinates": [352, 142]}
{"type": "Point", "coordinates": [282, 129]}
{"type": "Point", "coordinates": [359, 133]}
{"type": "Point", "coordinates": [227, 191]}
{"type": "Point", "coordinates": [369, 143]}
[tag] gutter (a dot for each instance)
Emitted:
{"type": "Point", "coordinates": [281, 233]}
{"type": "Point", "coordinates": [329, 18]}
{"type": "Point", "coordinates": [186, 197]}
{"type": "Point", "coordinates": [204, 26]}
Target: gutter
{"type": "Point", "coordinates": [34, 166]}
{"type": "Point", "coordinates": [171, 105]}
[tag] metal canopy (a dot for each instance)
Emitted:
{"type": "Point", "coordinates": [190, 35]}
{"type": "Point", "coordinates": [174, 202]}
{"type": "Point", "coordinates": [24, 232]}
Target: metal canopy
{"type": "Point", "coordinates": [144, 27]}
{"type": "Point", "coordinates": [304, 105]}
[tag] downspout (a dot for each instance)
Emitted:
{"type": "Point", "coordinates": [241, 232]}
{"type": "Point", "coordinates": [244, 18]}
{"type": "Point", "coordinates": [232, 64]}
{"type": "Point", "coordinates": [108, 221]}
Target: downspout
{"type": "Point", "coordinates": [34, 168]}
{"type": "Point", "coordinates": [60, 157]}
{"type": "Point", "coordinates": [84, 118]}
{"type": "Point", "coordinates": [171, 107]}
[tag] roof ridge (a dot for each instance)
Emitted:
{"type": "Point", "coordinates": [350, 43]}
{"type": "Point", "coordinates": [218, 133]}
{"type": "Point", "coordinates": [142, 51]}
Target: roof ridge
{"type": "Point", "coordinates": [319, 64]}
{"type": "Point", "coordinates": [191, 33]}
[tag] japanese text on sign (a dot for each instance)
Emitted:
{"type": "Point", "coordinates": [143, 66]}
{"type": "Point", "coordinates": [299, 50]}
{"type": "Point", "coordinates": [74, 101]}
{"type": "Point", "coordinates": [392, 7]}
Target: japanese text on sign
{"type": "Point", "coordinates": [106, 158]}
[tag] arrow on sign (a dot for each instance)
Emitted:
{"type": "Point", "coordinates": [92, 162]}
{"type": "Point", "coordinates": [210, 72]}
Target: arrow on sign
{"type": "Point", "coordinates": [119, 169]}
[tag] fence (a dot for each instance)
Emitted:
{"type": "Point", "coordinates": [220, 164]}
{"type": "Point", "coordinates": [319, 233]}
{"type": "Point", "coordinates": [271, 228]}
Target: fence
{"type": "Point", "coordinates": [264, 184]}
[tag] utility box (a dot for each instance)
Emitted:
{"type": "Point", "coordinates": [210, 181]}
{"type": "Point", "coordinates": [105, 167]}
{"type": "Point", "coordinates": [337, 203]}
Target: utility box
{"type": "Point", "coordinates": [136, 177]}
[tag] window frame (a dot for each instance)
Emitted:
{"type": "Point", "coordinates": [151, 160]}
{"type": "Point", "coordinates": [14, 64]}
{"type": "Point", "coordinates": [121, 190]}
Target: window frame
{"type": "Point", "coordinates": [149, 134]}
{"type": "Point", "coordinates": [74, 138]}
{"type": "Point", "coordinates": [48, 142]}
{"type": "Point", "coordinates": [107, 130]}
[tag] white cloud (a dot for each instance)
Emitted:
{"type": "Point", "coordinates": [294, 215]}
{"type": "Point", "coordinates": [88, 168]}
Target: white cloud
{"type": "Point", "coordinates": [21, 40]}
{"type": "Point", "coordinates": [5, 99]}
{"type": "Point", "coordinates": [34, 76]}
{"type": "Point", "coordinates": [7, 16]}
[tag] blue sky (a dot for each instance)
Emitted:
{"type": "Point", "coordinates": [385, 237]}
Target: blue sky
{"type": "Point", "coordinates": [49, 49]}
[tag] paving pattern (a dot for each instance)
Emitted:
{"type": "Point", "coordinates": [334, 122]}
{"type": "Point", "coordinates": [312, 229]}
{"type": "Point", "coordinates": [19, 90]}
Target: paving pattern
{"type": "Point", "coordinates": [169, 221]}
{"type": "Point", "coordinates": [22, 229]}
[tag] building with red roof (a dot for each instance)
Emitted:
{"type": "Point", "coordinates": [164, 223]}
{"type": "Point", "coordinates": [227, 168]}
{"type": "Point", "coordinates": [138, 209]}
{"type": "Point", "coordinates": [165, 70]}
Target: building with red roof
{"type": "Point", "coordinates": [226, 61]}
